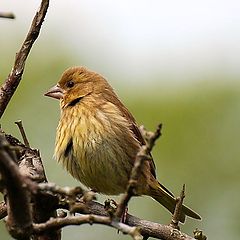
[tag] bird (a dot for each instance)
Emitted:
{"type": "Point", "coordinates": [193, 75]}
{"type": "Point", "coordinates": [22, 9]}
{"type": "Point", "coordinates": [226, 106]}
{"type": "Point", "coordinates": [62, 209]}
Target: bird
{"type": "Point", "coordinates": [97, 139]}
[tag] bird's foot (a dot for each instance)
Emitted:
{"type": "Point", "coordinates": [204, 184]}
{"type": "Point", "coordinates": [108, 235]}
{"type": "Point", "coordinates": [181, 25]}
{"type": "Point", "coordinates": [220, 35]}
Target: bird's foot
{"type": "Point", "coordinates": [111, 205]}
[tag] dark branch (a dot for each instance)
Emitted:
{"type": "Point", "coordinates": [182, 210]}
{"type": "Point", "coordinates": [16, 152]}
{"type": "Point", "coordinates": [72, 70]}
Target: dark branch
{"type": "Point", "coordinates": [146, 228]}
{"type": "Point", "coordinates": [19, 221]}
{"type": "Point", "coordinates": [32, 171]}
{"type": "Point", "coordinates": [10, 85]}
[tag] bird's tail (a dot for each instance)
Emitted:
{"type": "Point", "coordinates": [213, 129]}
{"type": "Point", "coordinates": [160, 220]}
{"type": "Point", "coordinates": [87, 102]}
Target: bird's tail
{"type": "Point", "coordinates": [166, 198]}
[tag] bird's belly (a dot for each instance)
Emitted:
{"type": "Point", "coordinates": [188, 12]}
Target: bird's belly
{"type": "Point", "coordinates": [101, 177]}
{"type": "Point", "coordinates": [103, 167]}
{"type": "Point", "coordinates": [100, 151]}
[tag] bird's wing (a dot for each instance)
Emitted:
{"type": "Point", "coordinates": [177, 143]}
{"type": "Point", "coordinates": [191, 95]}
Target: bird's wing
{"type": "Point", "coordinates": [115, 100]}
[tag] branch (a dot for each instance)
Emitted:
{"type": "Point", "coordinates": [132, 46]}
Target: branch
{"type": "Point", "coordinates": [147, 228]}
{"type": "Point", "coordinates": [90, 219]}
{"type": "Point", "coordinates": [142, 155]}
{"type": "Point", "coordinates": [22, 131]}
{"type": "Point", "coordinates": [178, 209]}
{"type": "Point", "coordinates": [10, 85]}
{"type": "Point", "coordinates": [68, 197]}
{"type": "Point", "coordinates": [19, 221]}
{"type": "Point", "coordinates": [32, 172]}
{"type": "Point", "coordinates": [96, 211]}
{"type": "Point", "coordinates": [93, 208]}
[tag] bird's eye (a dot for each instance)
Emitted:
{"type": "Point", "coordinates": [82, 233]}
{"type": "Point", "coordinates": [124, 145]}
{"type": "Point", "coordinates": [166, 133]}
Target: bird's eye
{"type": "Point", "coordinates": [70, 84]}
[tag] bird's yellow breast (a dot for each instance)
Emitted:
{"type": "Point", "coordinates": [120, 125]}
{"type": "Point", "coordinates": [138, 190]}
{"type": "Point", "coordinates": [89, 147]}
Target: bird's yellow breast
{"type": "Point", "coordinates": [96, 145]}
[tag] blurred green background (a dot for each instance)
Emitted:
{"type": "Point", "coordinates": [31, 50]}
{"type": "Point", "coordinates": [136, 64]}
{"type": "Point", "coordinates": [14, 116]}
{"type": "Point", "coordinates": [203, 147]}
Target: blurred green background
{"type": "Point", "coordinates": [195, 94]}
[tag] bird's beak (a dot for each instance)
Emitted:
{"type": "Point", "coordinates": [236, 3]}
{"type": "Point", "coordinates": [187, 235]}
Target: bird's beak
{"type": "Point", "coordinates": [55, 92]}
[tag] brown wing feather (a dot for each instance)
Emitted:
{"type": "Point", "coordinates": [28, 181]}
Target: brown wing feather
{"type": "Point", "coordinates": [110, 96]}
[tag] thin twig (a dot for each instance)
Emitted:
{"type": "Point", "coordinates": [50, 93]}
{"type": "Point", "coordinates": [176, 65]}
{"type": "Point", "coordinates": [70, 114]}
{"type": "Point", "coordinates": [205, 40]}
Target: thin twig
{"type": "Point", "coordinates": [8, 15]}
{"type": "Point", "coordinates": [178, 209]}
{"type": "Point", "coordinates": [22, 131]}
{"type": "Point", "coordinates": [66, 191]}
{"type": "Point", "coordinates": [83, 219]}
{"type": "Point", "coordinates": [151, 137]}
{"type": "Point", "coordinates": [11, 83]}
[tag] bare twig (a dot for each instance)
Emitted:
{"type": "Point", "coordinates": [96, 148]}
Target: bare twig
{"type": "Point", "coordinates": [66, 191]}
{"type": "Point", "coordinates": [22, 131]}
{"type": "Point", "coordinates": [7, 15]}
{"type": "Point", "coordinates": [142, 155]}
{"type": "Point", "coordinates": [178, 209]}
{"type": "Point", "coordinates": [90, 219]}
{"type": "Point", "coordinates": [10, 85]}
{"type": "Point", "coordinates": [151, 137]}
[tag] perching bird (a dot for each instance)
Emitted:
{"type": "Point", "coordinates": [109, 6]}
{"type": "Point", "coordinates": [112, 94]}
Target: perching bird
{"type": "Point", "coordinates": [97, 139]}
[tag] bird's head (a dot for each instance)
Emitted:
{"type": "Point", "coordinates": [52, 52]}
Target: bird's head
{"type": "Point", "coordinates": [75, 84]}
